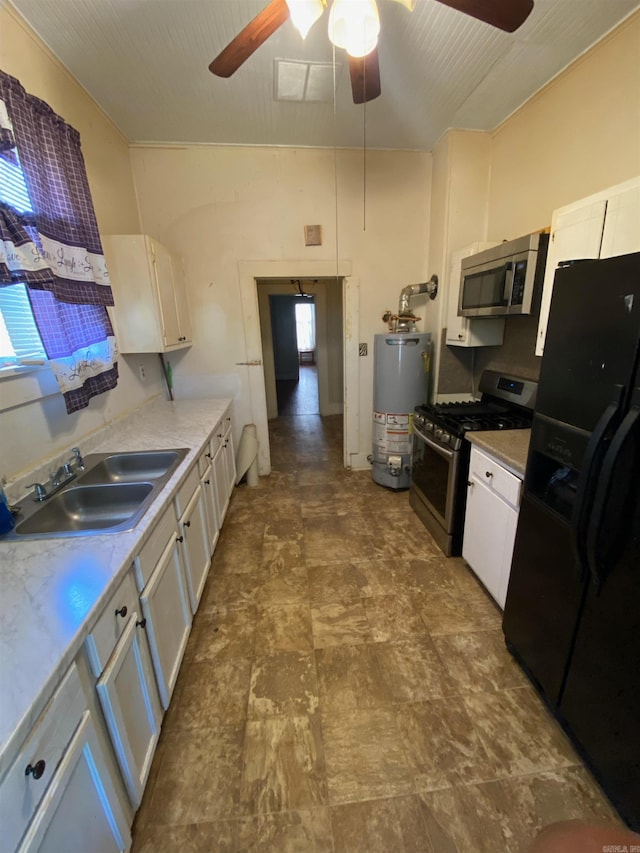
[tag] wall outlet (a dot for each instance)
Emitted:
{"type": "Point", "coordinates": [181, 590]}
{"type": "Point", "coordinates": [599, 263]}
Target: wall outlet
{"type": "Point", "coordinates": [141, 371]}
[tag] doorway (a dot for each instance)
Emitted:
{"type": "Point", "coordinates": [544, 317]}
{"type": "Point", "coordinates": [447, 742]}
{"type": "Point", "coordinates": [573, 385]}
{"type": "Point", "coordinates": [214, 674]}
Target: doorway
{"type": "Point", "coordinates": [255, 377]}
{"type": "Point", "coordinates": [293, 331]}
{"type": "Point", "coordinates": [301, 326]}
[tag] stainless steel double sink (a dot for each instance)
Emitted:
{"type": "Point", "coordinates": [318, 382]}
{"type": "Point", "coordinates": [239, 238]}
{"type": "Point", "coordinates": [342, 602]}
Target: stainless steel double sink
{"type": "Point", "coordinates": [110, 495]}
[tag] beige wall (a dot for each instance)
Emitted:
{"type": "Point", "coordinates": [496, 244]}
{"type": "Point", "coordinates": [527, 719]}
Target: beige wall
{"type": "Point", "coordinates": [579, 135]}
{"type": "Point", "coordinates": [461, 171]}
{"type": "Point", "coordinates": [34, 431]}
{"type": "Point", "coordinates": [219, 206]}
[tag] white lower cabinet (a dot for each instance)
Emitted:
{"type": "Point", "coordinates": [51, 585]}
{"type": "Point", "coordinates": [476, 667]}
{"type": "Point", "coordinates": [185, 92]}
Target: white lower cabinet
{"type": "Point", "coordinates": [165, 606]}
{"type": "Point", "coordinates": [209, 491]}
{"type": "Point", "coordinates": [491, 518]}
{"type": "Point", "coordinates": [194, 535]}
{"type": "Point", "coordinates": [81, 811]}
{"type": "Point", "coordinates": [63, 792]}
{"type": "Point", "coordinates": [119, 656]}
{"type": "Point", "coordinates": [219, 465]}
{"type": "Point", "coordinates": [131, 707]}
{"type": "Point", "coordinates": [229, 457]}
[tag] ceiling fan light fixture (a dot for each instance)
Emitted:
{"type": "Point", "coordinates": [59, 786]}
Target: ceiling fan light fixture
{"type": "Point", "coordinates": [354, 25]}
{"type": "Point", "coordinates": [408, 4]}
{"type": "Point", "coordinates": [304, 14]}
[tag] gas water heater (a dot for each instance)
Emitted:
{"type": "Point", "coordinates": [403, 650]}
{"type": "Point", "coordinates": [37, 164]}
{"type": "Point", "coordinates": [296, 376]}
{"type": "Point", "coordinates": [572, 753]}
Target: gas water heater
{"type": "Point", "coordinates": [401, 368]}
{"type": "Point", "coordinates": [401, 363]}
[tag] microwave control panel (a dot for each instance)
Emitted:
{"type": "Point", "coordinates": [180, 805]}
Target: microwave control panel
{"type": "Point", "coordinates": [517, 289]}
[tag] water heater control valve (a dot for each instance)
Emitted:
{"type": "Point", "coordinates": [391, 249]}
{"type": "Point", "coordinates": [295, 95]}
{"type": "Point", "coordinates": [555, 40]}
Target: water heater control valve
{"type": "Point", "coordinates": [395, 465]}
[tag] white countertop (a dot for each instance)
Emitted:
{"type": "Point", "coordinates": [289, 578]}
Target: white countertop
{"type": "Point", "coordinates": [51, 590]}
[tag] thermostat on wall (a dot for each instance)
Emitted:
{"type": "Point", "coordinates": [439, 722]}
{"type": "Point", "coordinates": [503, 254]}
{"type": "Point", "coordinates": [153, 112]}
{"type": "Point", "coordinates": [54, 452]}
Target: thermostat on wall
{"type": "Point", "coordinates": [313, 235]}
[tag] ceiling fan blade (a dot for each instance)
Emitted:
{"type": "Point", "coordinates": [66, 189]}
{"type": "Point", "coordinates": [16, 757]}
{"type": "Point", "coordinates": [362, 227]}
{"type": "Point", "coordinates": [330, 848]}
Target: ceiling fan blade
{"type": "Point", "coordinates": [505, 14]}
{"type": "Point", "coordinates": [250, 38]}
{"type": "Point", "coordinates": [365, 77]}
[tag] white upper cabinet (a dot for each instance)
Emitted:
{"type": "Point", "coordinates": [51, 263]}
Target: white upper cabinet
{"type": "Point", "coordinates": [600, 226]}
{"type": "Point", "coordinates": [469, 331]}
{"type": "Point", "coordinates": [621, 234]}
{"type": "Point", "coordinates": [151, 311]}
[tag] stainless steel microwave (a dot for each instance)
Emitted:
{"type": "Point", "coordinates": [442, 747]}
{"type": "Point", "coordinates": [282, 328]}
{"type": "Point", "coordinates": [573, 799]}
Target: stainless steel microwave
{"type": "Point", "coordinates": [503, 281]}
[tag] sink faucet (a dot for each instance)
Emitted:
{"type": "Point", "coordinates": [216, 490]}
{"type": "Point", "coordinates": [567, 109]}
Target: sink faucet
{"type": "Point", "coordinates": [59, 479]}
{"type": "Point", "coordinates": [41, 492]}
{"type": "Point", "coordinates": [77, 456]}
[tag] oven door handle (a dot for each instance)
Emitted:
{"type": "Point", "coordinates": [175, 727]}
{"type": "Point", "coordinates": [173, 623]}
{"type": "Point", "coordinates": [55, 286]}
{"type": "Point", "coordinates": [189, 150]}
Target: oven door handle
{"type": "Point", "coordinates": [442, 451]}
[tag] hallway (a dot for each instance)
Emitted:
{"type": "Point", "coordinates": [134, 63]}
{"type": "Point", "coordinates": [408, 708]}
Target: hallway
{"type": "Point", "coordinates": [301, 397]}
{"type": "Point", "coordinates": [346, 688]}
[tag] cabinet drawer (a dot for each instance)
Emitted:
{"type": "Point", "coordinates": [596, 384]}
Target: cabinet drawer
{"type": "Point", "coordinates": [216, 438]}
{"type": "Point", "coordinates": [203, 460]}
{"type": "Point", "coordinates": [497, 478]}
{"type": "Point", "coordinates": [20, 793]}
{"type": "Point", "coordinates": [186, 490]}
{"type": "Point", "coordinates": [112, 622]}
{"type": "Point", "coordinates": [154, 547]}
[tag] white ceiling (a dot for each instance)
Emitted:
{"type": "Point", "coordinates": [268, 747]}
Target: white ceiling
{"type": "Point", "coordinates": [146, 63]}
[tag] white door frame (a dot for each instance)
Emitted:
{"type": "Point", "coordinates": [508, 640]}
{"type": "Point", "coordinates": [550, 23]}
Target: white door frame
{"type": "Point", "coordinates": [248, 273]}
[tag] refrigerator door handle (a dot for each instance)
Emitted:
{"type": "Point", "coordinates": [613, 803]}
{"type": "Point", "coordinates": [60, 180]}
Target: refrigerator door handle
{"type": "Point", "coordinates": [626, 430]}
{"type": "Point", "coordinates": [588, 478]}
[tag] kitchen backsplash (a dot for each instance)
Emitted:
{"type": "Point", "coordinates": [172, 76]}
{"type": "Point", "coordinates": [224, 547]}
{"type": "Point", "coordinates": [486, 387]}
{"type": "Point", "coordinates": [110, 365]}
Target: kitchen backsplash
{"type": "Point", "coordinates": [460, 370]}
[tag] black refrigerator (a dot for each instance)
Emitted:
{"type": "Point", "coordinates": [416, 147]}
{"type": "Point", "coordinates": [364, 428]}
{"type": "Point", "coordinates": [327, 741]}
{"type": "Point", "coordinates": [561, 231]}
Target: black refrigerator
{"type": "Point", "coordinates": [572, 614]}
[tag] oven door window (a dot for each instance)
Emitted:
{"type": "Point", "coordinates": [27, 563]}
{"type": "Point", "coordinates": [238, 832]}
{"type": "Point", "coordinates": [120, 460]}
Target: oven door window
{"type": "Point", "coordinates": [431, 474]}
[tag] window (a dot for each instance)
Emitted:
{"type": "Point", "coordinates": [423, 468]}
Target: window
{"type": "Point", "coordinates": [19, 338]}
{"type": "Point", "coordinates": [51, 245]}
{"type": "Point", "coordinates": [305, 326]}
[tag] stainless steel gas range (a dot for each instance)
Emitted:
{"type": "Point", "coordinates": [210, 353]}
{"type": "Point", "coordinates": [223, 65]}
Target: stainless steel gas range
{"type": "Point", "coordinates": [440, 456]}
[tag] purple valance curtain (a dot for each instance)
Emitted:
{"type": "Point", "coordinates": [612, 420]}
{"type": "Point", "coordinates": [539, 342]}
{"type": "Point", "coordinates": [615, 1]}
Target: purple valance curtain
{"type": "Point", "coordinates": [55, 248]}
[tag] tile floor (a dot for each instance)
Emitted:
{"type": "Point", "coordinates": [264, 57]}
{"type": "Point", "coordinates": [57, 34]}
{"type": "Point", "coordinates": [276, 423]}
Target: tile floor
{"type": "Point", "coordinates": [346, 688]}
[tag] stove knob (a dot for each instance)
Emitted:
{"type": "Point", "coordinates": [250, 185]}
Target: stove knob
{"type": "Point", "coordinates": [438, 433]}
{"type": "Point", "coordinates": [445, 438]}
{"type": "Point", "coordinates": [428, 426]}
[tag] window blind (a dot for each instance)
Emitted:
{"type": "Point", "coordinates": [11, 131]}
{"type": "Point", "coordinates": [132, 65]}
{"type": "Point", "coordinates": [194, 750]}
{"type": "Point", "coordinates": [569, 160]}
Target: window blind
{"type": "Point", "coordinates": [15, 309]}
{"type": "Point", "coordinates": [13, 189]}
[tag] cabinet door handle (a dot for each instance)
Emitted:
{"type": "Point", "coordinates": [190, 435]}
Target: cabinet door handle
{"type": "Point", "coordinates": [488, 474]}
{"type": "Point", "coordinates": [208, 455]}
{"type": "Point", "coordinates": [142, 623]}
{"type": "Point", "coordinates": [207, 482]}
{"type": "Point", "coordinates": [187, 524]}
{"type": "Point", "coordinates": [36, 770]}
{"type": "Point", "coordinates": [122, 611]}
{"type": "Point", "coordinates": [469, 483]}
{"type": "Point", "coordinates": [179, 538]}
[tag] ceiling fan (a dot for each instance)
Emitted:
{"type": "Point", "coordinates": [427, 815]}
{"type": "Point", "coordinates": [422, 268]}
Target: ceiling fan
{"type": "Point", "coordinates": [354, 25]}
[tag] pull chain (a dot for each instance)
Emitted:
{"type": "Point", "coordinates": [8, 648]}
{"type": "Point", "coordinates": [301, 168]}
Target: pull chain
{"type": "Point", "coordinates": [364, 155]}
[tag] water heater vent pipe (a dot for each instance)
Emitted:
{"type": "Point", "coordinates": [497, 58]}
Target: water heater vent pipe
{"type": "Point", "coordinates": [430, 287]}
{"type": "Point", "coordinates": [405, 319]}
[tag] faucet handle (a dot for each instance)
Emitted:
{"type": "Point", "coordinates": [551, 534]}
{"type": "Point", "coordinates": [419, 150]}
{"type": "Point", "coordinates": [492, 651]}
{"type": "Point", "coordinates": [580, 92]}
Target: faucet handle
{"type": "Point", "coordinates": [41, 492]}
{"type": "Point", "coordinates": [78, 457]}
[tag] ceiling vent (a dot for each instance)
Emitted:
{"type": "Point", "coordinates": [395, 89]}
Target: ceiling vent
{"type": "Point", "coordinates": [296, 80]}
